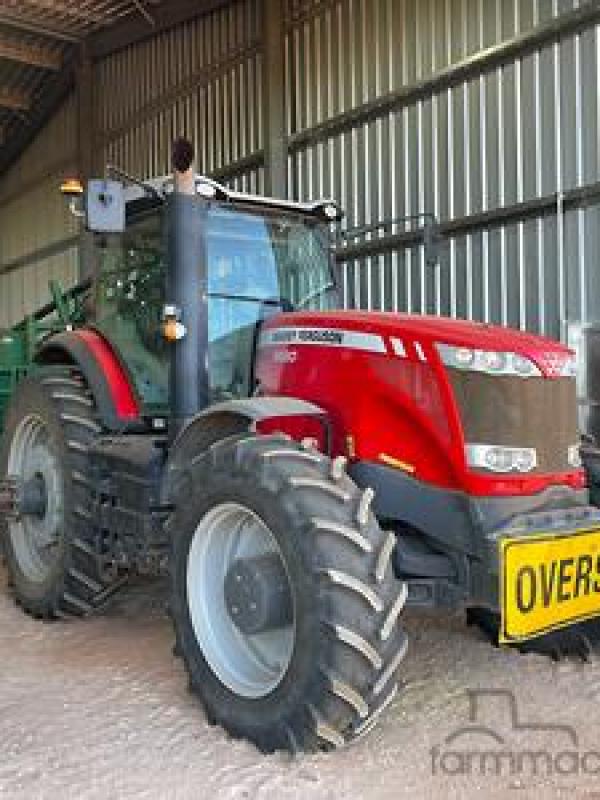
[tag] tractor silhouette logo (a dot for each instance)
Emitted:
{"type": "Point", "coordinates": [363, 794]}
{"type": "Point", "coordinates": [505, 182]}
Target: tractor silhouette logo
{"type": "Point", "coordinates": [495, 741]}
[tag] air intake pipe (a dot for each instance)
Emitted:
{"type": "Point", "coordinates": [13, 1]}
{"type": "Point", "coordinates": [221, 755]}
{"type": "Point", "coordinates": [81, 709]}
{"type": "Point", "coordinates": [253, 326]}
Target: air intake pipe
{"type": "Point", "coordinates": [186, 307]}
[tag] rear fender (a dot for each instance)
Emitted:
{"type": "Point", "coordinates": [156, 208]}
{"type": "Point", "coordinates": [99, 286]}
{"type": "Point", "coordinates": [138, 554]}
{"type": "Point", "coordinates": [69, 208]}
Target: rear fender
{"type": "Point", "coordinates": [117, 404]}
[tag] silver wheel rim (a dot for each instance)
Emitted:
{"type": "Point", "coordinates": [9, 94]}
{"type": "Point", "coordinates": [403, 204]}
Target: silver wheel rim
{"type": "Point", "coordinates": [36, 540]}
{"type": "Point", "coordinates": [252, 666]}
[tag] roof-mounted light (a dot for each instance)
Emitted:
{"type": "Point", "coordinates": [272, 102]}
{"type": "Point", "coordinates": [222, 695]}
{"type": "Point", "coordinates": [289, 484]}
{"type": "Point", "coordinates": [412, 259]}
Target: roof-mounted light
{"type": "Point", "coordinates": [73, 191]}
{"type": "Point", "coordinates": [206, 189]}
{"type": "Point", "coordinates": [331, 211]}
{"type": "Point", "coordinates": [71, 187]}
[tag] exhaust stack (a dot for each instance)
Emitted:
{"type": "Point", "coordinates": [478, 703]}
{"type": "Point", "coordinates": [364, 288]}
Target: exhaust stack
{"type": "Point", "coordinates": [186, 309]}
{"type": "Point", "coordinates": [183, 172]}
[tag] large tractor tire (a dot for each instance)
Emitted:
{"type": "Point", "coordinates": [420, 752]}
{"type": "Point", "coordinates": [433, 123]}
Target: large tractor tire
{"type": "Point", "coordinates": [284, 600]}
{"type": "Point", "coordinates": [49, 551]}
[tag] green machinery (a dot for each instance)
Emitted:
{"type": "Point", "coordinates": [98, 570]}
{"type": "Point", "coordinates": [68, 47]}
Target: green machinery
{"type": "Point", "coordinates": [19, 343]}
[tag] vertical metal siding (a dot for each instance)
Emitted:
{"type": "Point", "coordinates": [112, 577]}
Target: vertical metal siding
{"type": "Point", "coordinates": [527, 129]}
{"type": "Point", "coordinates": [201, 79]}
{"type": "Point", "coordinates": [523, 130]}
{"type": "Point", "coordinates": [33, 216]}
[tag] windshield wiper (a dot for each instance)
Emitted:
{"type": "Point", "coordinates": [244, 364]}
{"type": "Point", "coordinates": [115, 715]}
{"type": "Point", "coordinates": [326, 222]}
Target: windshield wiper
{"type": "Point", "coordinates": [281, 302]}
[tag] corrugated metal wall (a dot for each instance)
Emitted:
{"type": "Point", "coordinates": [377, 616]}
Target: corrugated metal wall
{"type": "Point", "coordinates": [202, 79]}
{"type": "Point", "coordinates": [36, 229]}
{"type": "Point", "coordinates": [520, 131]}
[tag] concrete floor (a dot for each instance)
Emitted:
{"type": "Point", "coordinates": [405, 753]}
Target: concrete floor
{"type": "Point", "coordinates": [99, 708]}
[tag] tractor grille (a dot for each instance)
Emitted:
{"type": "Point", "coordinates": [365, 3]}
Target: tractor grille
{"type": "Point", "coordinates": [519, 412]}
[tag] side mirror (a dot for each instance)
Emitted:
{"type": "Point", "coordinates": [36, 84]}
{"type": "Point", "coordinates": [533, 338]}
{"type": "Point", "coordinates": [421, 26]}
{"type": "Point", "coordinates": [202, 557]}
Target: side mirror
{"type": "Point", "coordinates": [105, 206]}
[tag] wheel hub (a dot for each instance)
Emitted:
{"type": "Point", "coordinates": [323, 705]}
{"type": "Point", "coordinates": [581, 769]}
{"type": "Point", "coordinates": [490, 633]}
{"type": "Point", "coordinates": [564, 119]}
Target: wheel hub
{"type": "Point", "coordinates": [33, 497]}
{"type": "Point", "coordinates": [240, 601]}
{"type": "Point", "coordinates": [257, 594]}
{"type": "Point", "coordinates": [36, 491]}
{"type": "Point", "coordinates": [19, 498]}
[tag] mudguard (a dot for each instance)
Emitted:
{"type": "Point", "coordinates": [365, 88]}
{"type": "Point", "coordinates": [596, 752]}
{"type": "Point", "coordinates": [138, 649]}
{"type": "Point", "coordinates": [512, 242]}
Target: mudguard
{"type": "Point", "coordinates": [237, 416]}
{"type": "Point", "coordinates": [255, 409]}
{"type": "Point", "coordinates": [117, 405]}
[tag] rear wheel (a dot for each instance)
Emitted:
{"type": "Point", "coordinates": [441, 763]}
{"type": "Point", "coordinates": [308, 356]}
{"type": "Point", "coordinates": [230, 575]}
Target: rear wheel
{"type": "Point", "coordinates": [283, 597]}
{"type": "Point", "coordinates": [49, 547]}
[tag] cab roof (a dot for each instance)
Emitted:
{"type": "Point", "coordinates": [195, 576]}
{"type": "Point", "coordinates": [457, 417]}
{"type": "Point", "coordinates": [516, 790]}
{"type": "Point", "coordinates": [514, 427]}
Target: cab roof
{"type": "Point", "coordinates": [161, 187]}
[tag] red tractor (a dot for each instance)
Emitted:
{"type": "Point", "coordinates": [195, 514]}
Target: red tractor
{"type": "Point", "coordinates": [302, 473]}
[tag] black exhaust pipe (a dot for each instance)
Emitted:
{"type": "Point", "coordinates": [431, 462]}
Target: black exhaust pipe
{"type": "Point", "coordinates": [186, 308]}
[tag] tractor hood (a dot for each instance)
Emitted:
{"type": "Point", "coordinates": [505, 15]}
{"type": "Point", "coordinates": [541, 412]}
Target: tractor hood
{"type": "Point", "coordinates": [411, 329]}
{"type": "Point", "coordinates": [388, 390]}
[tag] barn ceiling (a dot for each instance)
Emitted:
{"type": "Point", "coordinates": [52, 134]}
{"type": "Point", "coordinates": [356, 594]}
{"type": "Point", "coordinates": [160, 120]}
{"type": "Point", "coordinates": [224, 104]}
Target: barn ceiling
{"type": "Point", "coordinates": [40, 42]}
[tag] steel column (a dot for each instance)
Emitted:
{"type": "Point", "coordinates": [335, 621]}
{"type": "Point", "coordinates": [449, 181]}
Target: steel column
{"type": "Point", "coordinates": [84, 81]}
{"type": "Point", "coordinates": [275, 139]}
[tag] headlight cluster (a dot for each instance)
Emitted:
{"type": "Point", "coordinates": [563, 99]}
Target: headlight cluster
{"type": "Point", "coordinates": [497, 458]}
{"type": "Point", "coordinates": [490, 361]}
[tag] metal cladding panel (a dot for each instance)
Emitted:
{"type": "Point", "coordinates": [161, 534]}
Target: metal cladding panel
{"type": "Point", "coordinates": [509, 275]}
{"type": "Point", "coordinates": [506, 134]}
{"type": "Point", "coordinates": [33, 217]}
{"type": "Point", "coordinates": [53, 147]}
{"type": "Point", "coordinates": [251, 181]}
{"type": "Point", "coordinates": [37, 218]}
{"type": "Point", "coordinates": [201, 79]}
{"type": "Point", "coordinates": [32, 213]}
{"type": "Point", "coordinates": [26, 289]}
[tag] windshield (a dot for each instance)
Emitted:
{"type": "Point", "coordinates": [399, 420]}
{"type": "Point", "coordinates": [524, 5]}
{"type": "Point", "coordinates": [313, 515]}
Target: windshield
{"type": "Point", "coordinates": [258, 265]}
{"type": "Point", "coordinates": [277, 259]}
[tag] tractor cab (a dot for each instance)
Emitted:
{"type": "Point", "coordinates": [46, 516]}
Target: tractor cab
{"type": "Point", "coordinates": [254, 259]}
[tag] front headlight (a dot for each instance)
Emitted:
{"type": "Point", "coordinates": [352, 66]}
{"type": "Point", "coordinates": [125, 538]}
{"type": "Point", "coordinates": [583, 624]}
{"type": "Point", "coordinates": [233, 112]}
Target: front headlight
{"type": "Point", "coordinates": [489, 361]}
{"type": "Point", "coordinates": [497, 458]}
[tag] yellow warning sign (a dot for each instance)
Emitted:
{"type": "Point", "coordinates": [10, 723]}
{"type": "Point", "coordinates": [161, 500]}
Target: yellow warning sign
{"type": "Point", "coordinates": [548, 581]}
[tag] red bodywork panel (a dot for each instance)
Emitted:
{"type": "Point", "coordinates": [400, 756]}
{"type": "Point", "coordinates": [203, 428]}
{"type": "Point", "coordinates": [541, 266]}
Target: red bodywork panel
{"type": "Point", "coordinates": [124, 401]}
{"type": "Point", "coordinates": [379, 377]}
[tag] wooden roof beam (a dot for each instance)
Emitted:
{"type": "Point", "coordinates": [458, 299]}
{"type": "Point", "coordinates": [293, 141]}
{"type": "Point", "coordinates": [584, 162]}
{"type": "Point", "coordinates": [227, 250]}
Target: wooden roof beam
{"type": "Point", "coordinates": [13, 20]}
{"type": "Point", "coordinates": [14, 100]}
{"type": "Point", "coordinates": [14, 50]}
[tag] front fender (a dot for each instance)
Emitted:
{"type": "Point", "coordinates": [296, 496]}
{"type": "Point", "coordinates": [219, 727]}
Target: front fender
{"type": "Point", "coordinates": [255, 409]}
{"type": "Point", "coordinates": [232, 417]}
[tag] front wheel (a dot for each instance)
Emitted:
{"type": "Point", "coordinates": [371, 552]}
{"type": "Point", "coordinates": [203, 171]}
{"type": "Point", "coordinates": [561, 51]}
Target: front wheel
{"type": "Point", "coordinates": [283, 597]}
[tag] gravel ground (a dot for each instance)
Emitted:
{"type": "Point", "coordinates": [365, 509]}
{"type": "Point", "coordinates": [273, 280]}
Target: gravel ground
{"type": "Point", "coordinates": [99, 709]}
